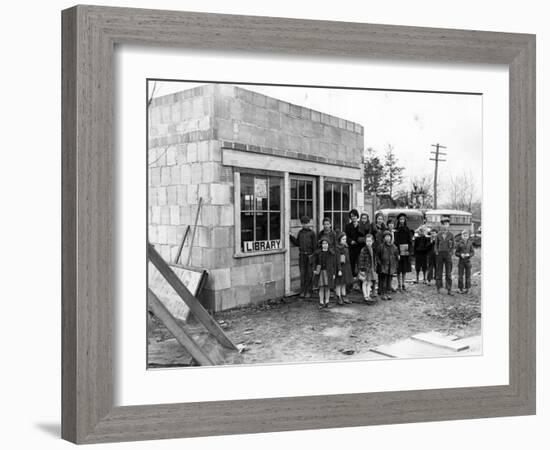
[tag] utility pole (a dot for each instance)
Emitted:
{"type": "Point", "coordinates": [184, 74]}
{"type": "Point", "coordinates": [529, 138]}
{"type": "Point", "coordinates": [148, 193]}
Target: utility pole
{"type": "Point", "coordinates": [436, 157]}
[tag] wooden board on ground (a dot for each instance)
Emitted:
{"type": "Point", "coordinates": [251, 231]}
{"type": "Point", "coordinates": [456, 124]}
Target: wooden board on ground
{"type": "Point", "coordinates": [411, 348]}
{"type": "Point", "coordinates": [441, 340]}
{"type": "Point", "coordinates": [193, 279]}
{"type": "Point", "coordinates": [167, 353]}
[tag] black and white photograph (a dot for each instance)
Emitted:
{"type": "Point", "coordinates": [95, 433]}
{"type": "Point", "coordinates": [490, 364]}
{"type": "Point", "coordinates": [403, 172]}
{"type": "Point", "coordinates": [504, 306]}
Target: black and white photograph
{"type": "Point", "coordinates": [303, 224]}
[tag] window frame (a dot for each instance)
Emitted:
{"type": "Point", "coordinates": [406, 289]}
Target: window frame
{"type": "Point", "coordinates": [239, 253]}
{"type": "Point", "coordinates": [342, 212]}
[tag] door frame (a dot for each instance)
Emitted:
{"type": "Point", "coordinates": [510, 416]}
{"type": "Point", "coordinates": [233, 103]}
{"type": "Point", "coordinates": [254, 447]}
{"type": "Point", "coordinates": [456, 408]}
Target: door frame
{"type": "Point", "coordinates": [288, 177]}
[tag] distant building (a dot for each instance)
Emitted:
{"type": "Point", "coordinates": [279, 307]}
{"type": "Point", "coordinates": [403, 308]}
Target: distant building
{"type": "Point", "coordinates": [259, 164]}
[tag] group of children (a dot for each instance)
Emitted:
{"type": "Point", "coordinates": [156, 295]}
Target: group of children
{"type": "Point", "coordinates": [370, 254]}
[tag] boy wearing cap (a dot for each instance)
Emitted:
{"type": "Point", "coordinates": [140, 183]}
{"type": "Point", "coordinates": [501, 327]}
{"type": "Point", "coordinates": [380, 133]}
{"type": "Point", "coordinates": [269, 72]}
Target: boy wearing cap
{"type": "Point", "coordinates": [443, 249]}
{"type": "Point", "coordinates": [464, 251]}
{"type": "Point", "coordinates": [307, 243]}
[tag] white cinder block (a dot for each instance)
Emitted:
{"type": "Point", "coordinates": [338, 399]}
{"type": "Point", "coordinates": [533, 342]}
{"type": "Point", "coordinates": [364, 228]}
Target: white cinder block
{"type": "Point", "coordinates": [174, 215]}
{"type": "Point", "coordinates": [162, 197]}
{"type": "Point", "coordinates": [171, 156]}
{"type": "Point", "coordinates": [192, 152]}
{"type": "Point", "coordinates": [220, 193]}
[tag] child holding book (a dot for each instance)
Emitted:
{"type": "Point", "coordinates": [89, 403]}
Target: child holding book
{"type": "Point", "coordinates": [324, 262]}
{"type": "Point", "coordinates": [344, 276]}
{"type": "Point", "coordinates": [366, 266]}
{"type": "Point", "coordinates": [464, 251]}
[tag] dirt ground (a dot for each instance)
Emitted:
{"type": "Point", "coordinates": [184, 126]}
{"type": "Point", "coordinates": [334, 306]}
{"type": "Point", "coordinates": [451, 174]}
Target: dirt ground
{"type": "Point", "coordinates": [289, 330]}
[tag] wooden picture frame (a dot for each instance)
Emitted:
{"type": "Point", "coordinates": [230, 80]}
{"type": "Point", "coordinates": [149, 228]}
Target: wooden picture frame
{"type": "Point", "coordinates": [89, 37]}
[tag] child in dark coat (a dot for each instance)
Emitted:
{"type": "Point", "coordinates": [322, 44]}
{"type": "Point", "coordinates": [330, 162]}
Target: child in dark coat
{"type": "Point", "coordinates": [366, 264]}
{"type": "Point", "coordinates": [387, 257]}
{"type": "Point", "coordinates": [344, 276]}
{"type": "Point", "coordinates": [421, 248]}
{"type": "Point", "coordinates": [324, 262]}
{"type": "Point", "coordinates": [464, 251]}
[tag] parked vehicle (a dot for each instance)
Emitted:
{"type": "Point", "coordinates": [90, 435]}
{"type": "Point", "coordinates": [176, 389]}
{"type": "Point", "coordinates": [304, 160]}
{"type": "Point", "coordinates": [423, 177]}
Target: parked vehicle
{"type": "Point", "coordinates": [415, 217]}
{"type": "Point", "coordinates": [460, 220]}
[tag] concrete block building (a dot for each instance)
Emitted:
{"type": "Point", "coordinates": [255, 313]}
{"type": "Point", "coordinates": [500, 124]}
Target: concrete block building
{"type": "Point", "coordinates": [258, 164]}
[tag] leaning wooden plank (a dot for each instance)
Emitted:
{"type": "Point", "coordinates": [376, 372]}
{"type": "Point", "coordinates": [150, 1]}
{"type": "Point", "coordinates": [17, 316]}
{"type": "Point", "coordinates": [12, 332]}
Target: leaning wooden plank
{"type": "Point", "coordinates": [159, 310]}
{"type": "Point", "coordinates": [182, 243]}
{"type": "Point", "coordinates": [194, 231]}
{"type": "Point", "coordinates": [194, 305]}
{"type": "Point", "coordinates": [440, 341]}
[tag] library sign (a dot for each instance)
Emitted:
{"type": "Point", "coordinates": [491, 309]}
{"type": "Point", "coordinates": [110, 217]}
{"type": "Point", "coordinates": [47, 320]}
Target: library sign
{"type": "Point", "coordinates": [261, 246]}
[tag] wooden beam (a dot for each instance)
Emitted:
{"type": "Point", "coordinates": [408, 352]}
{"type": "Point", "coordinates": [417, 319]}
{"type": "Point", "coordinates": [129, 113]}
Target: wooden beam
{"type": "Point", "coordinates": [237, 210]}
{"type": "Point", "coordinates": [182, 243]}
{"type": "Point", "coordinates": [160, 311]}
{"type": "Point", "coordinates": [194, 305]}
{"type": "Point", "coordinates": [239, 158]}
{"type": "Point", "coordinates": [194, 231]}
{"type": "Point", "coordinates": [286, 228]}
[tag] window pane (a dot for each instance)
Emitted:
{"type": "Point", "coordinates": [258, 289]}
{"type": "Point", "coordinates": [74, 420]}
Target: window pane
{"type": "Point", "coordinates": [294, 209]}
{"type": "Point", "coordinates": [301, 208]}
{"type": "Point", "coordinates": [247, 192]}
{"type": "Point", "coordinates": [293, 188]}
{"type": "Point", "coordinates": [337, 197]}
{"type": "Point", "coordinates": [260, 193]}
{"type": "Point", "coordinates": [261, 226]}
{"type": "Point", "coordinates": [275, 194]}
{"type": "Point", "coordinates": [309, 190]}
{"type": "Point", "coordinates": [301, 189]}
{"type": "Point", "coordinates": [328, 197]}
{"type": "Point", "coordinates": [275, 226]}
{"type": "Point", "coordinates": [338, 221]}
{"type": "Point", "coordinates": [247, 226]}
{"type": "Point", "coordinates": [309, 209]}
{"type": "Point", "coordinates": [261, 203]}
{"type": "Point", "coordinates": [346, 196]}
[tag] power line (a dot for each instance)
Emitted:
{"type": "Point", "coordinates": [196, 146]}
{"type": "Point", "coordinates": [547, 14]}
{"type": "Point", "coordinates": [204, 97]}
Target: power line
{"type": "Point", "coordinates": [437, 158]}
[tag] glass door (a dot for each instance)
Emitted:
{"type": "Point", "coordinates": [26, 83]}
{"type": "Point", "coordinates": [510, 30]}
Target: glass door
{"type": "Point", "coordinates": [303, 202]}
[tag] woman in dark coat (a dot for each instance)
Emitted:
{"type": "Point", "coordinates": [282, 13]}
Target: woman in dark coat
{"type": "Point", "coordinates": [403, 242]}
{"type": "Point", "coordinates": [354, 234]}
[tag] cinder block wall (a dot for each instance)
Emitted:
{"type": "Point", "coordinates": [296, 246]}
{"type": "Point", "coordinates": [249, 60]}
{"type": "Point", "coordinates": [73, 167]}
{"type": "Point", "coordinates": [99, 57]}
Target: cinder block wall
{"type": "Point", "coordinates": [276, 126]}
{"type": "Point", "coordinates": [187, 131]}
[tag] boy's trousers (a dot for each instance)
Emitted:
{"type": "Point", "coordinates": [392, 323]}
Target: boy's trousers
{"type": "Point", "coordinates": [464, 271]}
{"type": "Point", "coordinates": [431, 267]}
{"type": "Point", "coordinates": [306, 273]}
{"type": "Point", "coordinates": [384, 283]}
{"type": "Point", "coordinates": [444, 260]}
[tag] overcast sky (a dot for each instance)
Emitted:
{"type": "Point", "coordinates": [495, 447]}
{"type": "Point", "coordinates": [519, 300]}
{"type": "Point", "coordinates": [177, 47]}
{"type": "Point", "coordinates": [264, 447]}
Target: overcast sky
{"type": "Point", "coordinates": [410, 121]}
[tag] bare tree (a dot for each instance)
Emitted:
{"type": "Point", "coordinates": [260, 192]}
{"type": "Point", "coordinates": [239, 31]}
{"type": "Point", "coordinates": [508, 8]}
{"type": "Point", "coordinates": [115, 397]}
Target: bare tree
{"type": "Point", "coordinates": [422, 191]}
{"type": "Point", "coordinates": [462, 191]}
